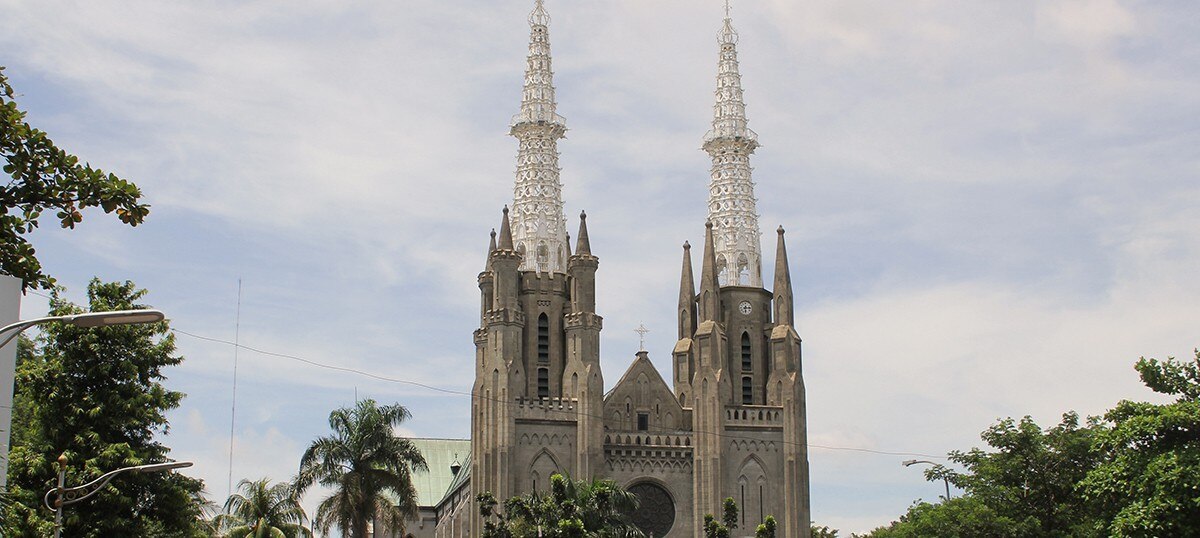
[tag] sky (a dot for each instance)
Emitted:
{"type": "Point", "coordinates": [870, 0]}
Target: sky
{"type": "Point", "coordinates": [991, 206]}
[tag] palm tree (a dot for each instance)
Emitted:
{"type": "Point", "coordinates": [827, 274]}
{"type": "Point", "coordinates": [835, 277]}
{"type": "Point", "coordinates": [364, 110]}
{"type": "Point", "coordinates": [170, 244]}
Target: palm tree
{"type": "Point", "coordinates": [365, 463]}
{"type": "Point", "coordinates": [260, 510]}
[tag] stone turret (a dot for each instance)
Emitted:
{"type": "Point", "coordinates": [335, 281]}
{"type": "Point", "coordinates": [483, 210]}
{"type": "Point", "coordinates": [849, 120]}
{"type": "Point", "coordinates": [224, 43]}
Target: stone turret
{"type": "Point", "coordinates": [582, 378]}
{"type": "Point", "coordinates": [711, 388]}
{"type": "Point", "coordinates": [786, 389]}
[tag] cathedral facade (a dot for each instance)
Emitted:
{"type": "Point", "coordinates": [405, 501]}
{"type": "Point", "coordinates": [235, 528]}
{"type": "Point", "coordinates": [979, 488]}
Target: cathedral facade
{"type": "Point", "coordinates": [731, 423]}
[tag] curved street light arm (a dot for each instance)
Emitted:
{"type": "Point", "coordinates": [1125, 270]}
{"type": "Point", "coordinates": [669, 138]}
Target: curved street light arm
{"type": "Point", "coordinates": [909, 463]}
{"type": "Point", "coordinates": [79, 493]}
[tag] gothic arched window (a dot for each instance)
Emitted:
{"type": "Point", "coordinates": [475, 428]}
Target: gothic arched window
{"type": "Point", "coordinates": [543, 339]}
{"type": "Point", "coordinates": [543, 383]}
{"type": "Point", "coordinates": [747, 358]}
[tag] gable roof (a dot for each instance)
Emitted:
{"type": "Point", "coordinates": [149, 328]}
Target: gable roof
{"type": "Point", "coordinates": [439, 454]}
{"type": "Point", "coordinates": [641, 365]}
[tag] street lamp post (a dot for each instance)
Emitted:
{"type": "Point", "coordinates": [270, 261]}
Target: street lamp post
{"type": "Point", "coordinates": [909, 463]}
{"type": "Point", "coordinates": [64, 495]}
{"type": "Point", "coordinates": [89, 319]}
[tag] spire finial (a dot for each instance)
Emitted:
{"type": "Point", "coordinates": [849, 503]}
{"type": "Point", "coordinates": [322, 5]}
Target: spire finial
{"type": "Point", "coordinates": [539, 15]}
{"type": "Point", "coordinates": [728, 35]}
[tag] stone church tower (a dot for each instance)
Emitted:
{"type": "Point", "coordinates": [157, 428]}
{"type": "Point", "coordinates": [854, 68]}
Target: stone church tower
{"type": "Point", "coordinates": [734, 423]}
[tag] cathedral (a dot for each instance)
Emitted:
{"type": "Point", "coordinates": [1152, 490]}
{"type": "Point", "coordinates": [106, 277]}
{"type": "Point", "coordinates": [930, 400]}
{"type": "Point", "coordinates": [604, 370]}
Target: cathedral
{"type": "Point", "coordinates": [731, 423]}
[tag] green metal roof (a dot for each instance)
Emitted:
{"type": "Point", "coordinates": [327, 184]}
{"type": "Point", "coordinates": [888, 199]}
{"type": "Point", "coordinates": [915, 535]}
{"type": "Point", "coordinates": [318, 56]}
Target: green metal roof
{"type": "Point", "coordinates": [439, 455]}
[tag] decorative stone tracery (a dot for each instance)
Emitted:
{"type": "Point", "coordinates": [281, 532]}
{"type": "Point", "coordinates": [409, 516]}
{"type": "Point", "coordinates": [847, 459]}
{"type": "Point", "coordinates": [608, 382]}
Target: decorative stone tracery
{"type": "Point", "coordinates": [731, 203]}
{"type": "Point", "coordinates": [538, 225]}
{"type": "Point", "coordinates": [655, 514]}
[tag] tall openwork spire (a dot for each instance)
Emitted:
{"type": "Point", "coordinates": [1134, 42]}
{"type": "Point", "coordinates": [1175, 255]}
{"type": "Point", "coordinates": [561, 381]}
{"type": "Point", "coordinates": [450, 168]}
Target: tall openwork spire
{"type": "Point", "coordinates": [731, 203]}
{"type": "Point", "coordinates": [538, 224]}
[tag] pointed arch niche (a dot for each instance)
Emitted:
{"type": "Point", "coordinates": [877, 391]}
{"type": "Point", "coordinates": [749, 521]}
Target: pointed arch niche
{"type": "Point", "coordinates": [752, 487]}
{"type": "Point", "coordinates": [543, 466]}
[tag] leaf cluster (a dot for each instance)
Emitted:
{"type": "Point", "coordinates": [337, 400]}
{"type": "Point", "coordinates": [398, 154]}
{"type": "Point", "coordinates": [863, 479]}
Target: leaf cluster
{"type": "Point", "coordinates": [570, 509]}
{"type": "Point", "coordinates": [1134, 472]}
{"type": "Point", "coordinates": [47, 178]}
{"type": "Point", "coordinates": [729, 519]}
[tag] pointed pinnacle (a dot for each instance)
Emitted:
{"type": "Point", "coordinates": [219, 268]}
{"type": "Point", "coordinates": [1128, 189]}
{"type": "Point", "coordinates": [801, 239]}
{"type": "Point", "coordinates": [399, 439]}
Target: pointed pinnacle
{"type": "Point", "coordinates": [584, 246]}
{"type": "Point", "coordinates": [492, 243]}
{"type": "Point", "coordinates": [783, 284]}
{"type": "Point", "coordinates": [687, 295]}
{"type": "Point", "coordinates": [506, 240]}
{"type": "Point", "coordinates": [709, 285]}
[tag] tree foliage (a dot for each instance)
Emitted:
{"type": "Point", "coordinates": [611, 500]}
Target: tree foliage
{"type": "Point", "coordinates": [1132, 473]}
{"type": "Point", "coordinates": [570, 509]}
{"type": "Point", "coordinates": [961, 517]}
{"type": "Point", "coordinates": [262, 510]}
{"type": "Point", "coordinates": [46, 178]}
{"type": "Point", "coordinates": [769, 526]}
{"type": "Point", "coordinates": [729, 519]}
{"type": "Point", "coordinates": [1029, 476]}
{"type": "Point", "coordinates": [1148, 481]}
{"type": "Point", "coordinates": [96, 396]}
{"type": "Point", "coordinates": [365, 463]}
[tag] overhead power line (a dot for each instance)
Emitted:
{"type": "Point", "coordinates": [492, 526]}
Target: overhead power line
{"type": "Point", "coordinates": [402, 381]}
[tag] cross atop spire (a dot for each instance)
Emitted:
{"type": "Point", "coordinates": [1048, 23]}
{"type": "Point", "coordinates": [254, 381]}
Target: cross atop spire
{"type": "Point", "coordinates": [728, 35]}
{"type": "Point", "coordinates": [642, 331]}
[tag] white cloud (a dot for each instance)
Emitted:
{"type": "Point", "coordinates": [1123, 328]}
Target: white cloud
{"type": "Point", "coordinates": [990, 206]}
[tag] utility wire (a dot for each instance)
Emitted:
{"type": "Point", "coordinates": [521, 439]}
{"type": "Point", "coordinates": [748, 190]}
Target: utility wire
{"type": "Point", "coordinates": [659, 431]}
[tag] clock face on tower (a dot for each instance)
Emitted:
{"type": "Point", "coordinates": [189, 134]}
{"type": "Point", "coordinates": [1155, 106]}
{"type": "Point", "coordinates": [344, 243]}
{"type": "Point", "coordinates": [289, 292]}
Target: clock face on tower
{"type": "Point", "coordinates": [745, 308]}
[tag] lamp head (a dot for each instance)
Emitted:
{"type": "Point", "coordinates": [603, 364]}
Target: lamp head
{"type": "Point", "coordinates": [116, 317]}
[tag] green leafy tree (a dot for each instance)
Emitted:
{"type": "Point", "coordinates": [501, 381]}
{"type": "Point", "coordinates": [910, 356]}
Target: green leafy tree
{"type": "Point", "coordinates": [262, 510]}
{"type": "Point", "coordinates": [571, 509]}
{"type": "Point", "coordinates": [961, 517]}
{"type": "Point", "coordinates": [729, 519]}
{"type": "Point", "coordinates": [1023, 485]}
{"type": "Point", "coordinates": [767, 529]}
{"type": "Point", "coordinates": [1146, 483]}
{"type": "Point", "coordinates": [367, 465]}
{"type": "Point", "coordinates": [96, 396]}
{"type": "Point", "coordinates": [46, 178]}
{"type": "Point", "coordinates": [1133, 473]}
{"type": "Point", "coordinates": [1029, 476]}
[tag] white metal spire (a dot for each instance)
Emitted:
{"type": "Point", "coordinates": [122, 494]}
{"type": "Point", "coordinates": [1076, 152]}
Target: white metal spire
{"type": "Point", "coordinates": [731, 202]}
{"type": "Point", "coordinates": [538, 224]}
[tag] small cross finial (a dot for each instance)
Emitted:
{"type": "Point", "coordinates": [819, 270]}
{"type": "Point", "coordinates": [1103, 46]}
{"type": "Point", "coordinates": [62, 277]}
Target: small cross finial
{"type": "Point", "coordinates": [727, 9]}
{"type": "Point", "coordinates": [641, 330]}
